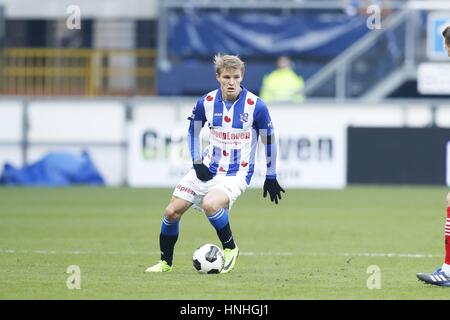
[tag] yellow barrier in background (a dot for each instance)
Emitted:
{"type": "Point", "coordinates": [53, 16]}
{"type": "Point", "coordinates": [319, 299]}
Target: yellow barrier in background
{"type": "Point", "coordinates": [85, 72]}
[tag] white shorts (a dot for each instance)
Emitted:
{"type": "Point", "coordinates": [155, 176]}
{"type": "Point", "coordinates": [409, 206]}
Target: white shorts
{"type": "Point", "coordinates": [194, 190]}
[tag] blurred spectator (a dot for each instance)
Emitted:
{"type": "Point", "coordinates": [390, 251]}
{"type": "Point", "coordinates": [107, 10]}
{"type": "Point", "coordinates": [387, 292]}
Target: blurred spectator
{"type": "Point", "coordinates": [282, 84]}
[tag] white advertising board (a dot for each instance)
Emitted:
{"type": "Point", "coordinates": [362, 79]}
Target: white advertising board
{"type": "Point", "coordinates": [11, 118]}
{"type": "Point", "coordinates": [437, 22]}
{"type": "Point", "coordinates": [433, 78]}
{"type": "Point", "coordinates": [311, 152]}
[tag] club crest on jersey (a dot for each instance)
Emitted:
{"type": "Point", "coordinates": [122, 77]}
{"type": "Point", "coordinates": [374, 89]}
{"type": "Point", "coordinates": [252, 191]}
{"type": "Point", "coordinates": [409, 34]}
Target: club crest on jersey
{"type": "Point", "coordinates": [243, 117]}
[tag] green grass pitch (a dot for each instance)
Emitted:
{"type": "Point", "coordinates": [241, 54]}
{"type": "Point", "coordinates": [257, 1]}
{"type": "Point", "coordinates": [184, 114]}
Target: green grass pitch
{"type": "Point", "coordinates": [316, 244]}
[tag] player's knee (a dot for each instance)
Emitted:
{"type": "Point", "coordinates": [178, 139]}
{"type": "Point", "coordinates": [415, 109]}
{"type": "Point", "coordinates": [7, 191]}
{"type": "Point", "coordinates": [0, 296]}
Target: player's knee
{"type": "Point", "coordinates": [448, 199]}
{"type": "Point", "coordinates": [172, 214]}
{"type": "Point", "coordinates": [209, 206]}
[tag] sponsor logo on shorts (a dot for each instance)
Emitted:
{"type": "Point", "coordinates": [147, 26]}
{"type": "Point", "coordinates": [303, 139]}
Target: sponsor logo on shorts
{"type": "Point", "coordinates": [186, 189]}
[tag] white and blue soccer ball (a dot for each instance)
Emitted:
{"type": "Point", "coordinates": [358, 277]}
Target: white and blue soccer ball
{"type": "Point", "coordinates": [208, 258]}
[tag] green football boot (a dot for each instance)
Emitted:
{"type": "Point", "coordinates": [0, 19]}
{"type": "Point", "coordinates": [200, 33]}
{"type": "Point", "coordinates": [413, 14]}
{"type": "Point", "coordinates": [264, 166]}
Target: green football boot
{"type": "Point", "coordinates": [230, 259]}
{"type": "Point", "coordinates": [161, 266]}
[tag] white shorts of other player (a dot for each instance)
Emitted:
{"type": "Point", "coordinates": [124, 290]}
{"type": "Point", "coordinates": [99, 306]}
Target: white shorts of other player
{"type": "Point", "coordinates": [194, 190]}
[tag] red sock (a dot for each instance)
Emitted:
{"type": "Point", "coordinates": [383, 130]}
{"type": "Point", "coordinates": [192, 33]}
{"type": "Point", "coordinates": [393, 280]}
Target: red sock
{"type": "Point", "coordinates": [447, 237]}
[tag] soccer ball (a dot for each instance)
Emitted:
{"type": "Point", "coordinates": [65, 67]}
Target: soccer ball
{"type": "Point", "coordinates": [208, 259]}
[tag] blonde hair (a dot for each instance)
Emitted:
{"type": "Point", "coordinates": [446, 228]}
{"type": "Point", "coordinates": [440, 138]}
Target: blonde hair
{"type": "Point", "coordinates": [222, 62]}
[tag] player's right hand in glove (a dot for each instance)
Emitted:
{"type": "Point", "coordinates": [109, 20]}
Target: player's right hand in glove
{"type": "Point", "coordinates": [274, 189]}
{"type": "Point", "coordinates": [202, 172]}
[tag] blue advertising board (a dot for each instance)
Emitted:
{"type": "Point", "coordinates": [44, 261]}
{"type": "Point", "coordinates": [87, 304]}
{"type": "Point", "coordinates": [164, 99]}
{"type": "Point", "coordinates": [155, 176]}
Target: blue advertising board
{"type": "Point", "coordinates": [437, 21]}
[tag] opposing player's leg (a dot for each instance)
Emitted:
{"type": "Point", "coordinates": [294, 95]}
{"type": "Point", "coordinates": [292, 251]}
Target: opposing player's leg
{"type": "Point", "coordinates": [446, 265]}
{"type": "Point", "coordinates": [169, 233]}
{"type": "Point", "coordinates": [441, 277]}
{"type": "Point", "coordinates": [215, 205]}
{"type": "Point", "coordinates": [438, 278]}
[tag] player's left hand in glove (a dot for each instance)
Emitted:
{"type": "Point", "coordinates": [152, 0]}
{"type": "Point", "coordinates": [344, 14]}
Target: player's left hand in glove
{"type": "Point", "coordinates": [274, 189]}
{"type": "Point", "coordinates": [202, 172]}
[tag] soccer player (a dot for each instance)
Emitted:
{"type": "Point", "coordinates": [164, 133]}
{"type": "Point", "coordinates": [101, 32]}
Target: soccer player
{"type": "Point", "coordinates": [236, 118]}
{"type": "Point", "coordinates": [441, 277]}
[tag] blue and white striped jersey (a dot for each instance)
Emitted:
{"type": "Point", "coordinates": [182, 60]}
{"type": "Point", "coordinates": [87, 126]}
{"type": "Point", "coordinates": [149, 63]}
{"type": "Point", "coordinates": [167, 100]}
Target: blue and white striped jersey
{"type": "Point", "coordinates": [234, 132]}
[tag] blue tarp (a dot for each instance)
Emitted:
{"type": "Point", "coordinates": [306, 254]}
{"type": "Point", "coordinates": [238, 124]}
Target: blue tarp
{"type": "Point", "coordinates": [322, 35]}
{"type": "Point", "coordinates": [53, 170]}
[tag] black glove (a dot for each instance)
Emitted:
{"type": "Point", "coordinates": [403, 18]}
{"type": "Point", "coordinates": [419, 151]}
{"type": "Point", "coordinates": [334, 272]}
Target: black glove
{"type": "Point", "coordinates": [274, 189]}
{"type": "Point", "coordinates": [202, 172]}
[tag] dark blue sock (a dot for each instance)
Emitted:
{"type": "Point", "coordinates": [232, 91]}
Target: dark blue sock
{"type": "Point", "coordinates": [220, 222]}
{"type": "Point", "coordinates": [168, 238]}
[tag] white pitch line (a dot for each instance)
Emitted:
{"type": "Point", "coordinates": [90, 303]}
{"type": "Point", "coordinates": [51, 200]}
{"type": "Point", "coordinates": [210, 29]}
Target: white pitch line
{"type": "Point", "coordinates": [319, 254]}
{"type": "Point", "coordinates": [394, 255]}
{"type": "Point", "coordinates": [376, 254]}
{"type": "Point", "coordinates": [267, 254]}
{"type": "Point", "coordinates": [78, 252]}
